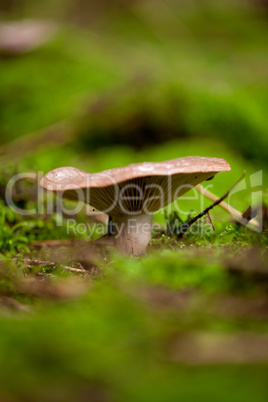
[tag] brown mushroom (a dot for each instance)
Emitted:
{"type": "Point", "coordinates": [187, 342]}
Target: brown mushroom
{"type": "Point", "coordinates": [132, 193]}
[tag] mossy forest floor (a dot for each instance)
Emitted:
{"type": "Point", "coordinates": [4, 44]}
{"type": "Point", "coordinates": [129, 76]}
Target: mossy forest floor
{"type": "Point", "coordinates": [189, 321]}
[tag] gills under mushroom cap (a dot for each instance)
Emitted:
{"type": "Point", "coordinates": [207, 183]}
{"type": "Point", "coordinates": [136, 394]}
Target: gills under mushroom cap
{"type": "Point", "coordinates": [140, 188]}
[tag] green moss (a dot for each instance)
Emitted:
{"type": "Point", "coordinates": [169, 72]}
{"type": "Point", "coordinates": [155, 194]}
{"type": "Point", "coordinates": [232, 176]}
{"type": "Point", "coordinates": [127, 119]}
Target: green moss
{"type": "Point", "coordinates": [145, 83]}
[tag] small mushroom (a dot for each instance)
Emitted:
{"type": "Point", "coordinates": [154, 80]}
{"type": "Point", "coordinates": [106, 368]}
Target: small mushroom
{"type": "Point", "coordinates": [17, 37]}
{"type": "Point", "coordinates": [131, 194]}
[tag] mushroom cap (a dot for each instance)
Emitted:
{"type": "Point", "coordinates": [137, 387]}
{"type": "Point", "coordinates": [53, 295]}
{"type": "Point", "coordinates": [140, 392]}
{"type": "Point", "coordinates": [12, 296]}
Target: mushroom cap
{"type": "Point", "coordinates": [128, 189]}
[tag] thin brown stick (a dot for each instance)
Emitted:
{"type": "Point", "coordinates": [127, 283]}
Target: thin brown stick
{"type": "Point", "coordinates": [52, 264]}
{"type": "Point", "coordinates": [210, 221]}
{"type": "Point", "coordinates": [186, 226]}
{"type": "Point", "coordinates": [30, 262]}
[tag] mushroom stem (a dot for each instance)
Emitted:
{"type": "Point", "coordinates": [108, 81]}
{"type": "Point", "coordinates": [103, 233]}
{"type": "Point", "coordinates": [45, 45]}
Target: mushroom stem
{"type": "Point", "coordinates": [132, 233]}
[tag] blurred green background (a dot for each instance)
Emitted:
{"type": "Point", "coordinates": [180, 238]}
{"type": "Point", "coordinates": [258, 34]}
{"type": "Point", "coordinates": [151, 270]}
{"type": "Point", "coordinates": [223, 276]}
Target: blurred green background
{"type": "Point", "coordinates": [123, 82]}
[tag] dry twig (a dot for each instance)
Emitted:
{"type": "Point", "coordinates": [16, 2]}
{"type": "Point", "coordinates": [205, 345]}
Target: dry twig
{"type": "Point", "coordinates": [30, 262]}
